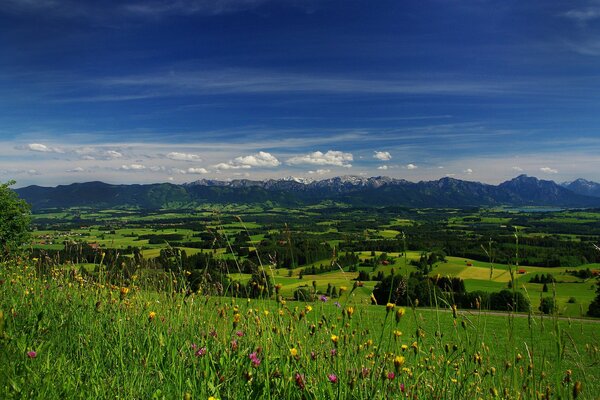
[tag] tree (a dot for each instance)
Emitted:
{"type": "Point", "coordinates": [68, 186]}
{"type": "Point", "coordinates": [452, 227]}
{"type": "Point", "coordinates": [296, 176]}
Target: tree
{"type": "Point", "coordinates": [15, 216]}
{"type": "Point", "coordinates": [547, 305]}
{"type": "Point", "coordinates": [594, 309]}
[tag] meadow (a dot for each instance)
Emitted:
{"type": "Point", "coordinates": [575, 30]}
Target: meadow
{"type": "Point", "coordinates": [65, 336]}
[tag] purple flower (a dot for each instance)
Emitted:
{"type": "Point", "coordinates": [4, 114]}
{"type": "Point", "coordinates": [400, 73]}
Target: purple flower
{"type": "Point", "coordinates": [338, 305]}
{"type": "Point", "coordinates": [323, 298]}
{"type": "Point", "coordinates": [333, 352]}
{"type": "Point", "coordinates": [31, 354]}
{"type": "Point", "coordinates": [201, 352]}
{"type": "Point", "coordinates": [332, 378]}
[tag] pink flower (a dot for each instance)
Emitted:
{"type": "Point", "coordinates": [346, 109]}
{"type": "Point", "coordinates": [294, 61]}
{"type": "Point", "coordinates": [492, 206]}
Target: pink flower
{"type": "Point", "coordinates": [31, 354]}
{"type": "Point", "coordinates": [239, 333]}
{"type": "Point", "coordinates": [201, 352]}
{"type": "Point", "coordinates": [332, 378]}
{"type": "Point", "coordinates": [234, 345]}
{"type": "Point", "coordinates": [391, 375]}
{"type": "Point", "coordinates": [255, 360]}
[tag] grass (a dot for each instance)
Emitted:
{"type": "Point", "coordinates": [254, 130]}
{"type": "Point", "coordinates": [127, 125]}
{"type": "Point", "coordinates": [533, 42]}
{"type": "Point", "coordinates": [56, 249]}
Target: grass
{"type": "Point", "coordinates": [64, 337]}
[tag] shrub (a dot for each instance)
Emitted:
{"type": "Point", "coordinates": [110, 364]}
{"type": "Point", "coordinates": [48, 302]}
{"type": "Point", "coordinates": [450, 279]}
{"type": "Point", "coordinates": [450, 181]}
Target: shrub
{"type": "Point", "coordinates": [547, 305]}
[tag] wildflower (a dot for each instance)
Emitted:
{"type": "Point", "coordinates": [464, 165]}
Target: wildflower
{"type": "Point", "coordinates": [389, 307]}
{"type": "Point", "coordinates": [332, 378]}
{"type": "Point", "coordinates": [123, 292]}
{"type": "Point", "coordinates": [308, 308]}
{"type": "Point", "coordinates": [400, 313]}
{"type": "Point", "coordinates": [234, 345]}
{"type": "Point", "coordinates": [349, 312]}
{"type": "Point", "coordinates": [201, 352]}
{"type": "Point", "coordinates": [390, 375]}
{"type": "Point", "coordinates": [151, 316]}
{"type": "Point", "coordinates": [323, 298]}
{"type": "Point", "coordinates": [342, 290]}
{"type": "Point", "coordinates": [333, 352]}
{"type": "Point", "coordinates": [212, 398]}
{"type": "Point", "coordinates": [294, 352]}
{"type": "Point", "coordinates": [337, 304]}
{"type": "Point", "coordinates": [31, 354]}
{"type": "Point", "coordinates": [300, 382]}
{"type": "Point", "coordinates": [313, 355]}
{"type": "Point", "coordinates": [254, 359]}
{"type": "Point", "coordinates": [397, 334]}
{"type": "Point", "coordinates": [399, 362]}
{"type": "Point", "coordinates": [404, 347]}
{"type": "Point", "coordinates": [334, 339]}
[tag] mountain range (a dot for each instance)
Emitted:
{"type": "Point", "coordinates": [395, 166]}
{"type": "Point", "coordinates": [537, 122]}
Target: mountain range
{"type": "Point", "coordinates": [355, 190]}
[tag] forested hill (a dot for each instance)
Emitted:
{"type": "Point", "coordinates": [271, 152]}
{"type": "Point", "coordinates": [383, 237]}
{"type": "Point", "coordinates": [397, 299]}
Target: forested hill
{"type": "Point", "coordinates": [353, 190]}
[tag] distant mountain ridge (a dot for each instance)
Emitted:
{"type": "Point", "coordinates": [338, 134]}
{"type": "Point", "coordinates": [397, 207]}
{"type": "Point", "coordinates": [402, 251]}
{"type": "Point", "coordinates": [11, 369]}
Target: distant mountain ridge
{"type": "Point", "coordinates": [354, 190]}
{"type": "Point", "coordinates": [584, 187]}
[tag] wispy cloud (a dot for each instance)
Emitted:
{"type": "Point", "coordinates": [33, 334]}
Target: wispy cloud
{"type": "Point", "coordinates": [225, 81]}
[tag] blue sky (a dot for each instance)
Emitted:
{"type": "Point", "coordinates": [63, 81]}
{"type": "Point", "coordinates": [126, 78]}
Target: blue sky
{"type": "Point", "coordinates": [178, 90]}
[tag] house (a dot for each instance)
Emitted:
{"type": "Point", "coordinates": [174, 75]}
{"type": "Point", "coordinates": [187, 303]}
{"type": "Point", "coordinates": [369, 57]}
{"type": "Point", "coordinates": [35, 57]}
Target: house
{"type": "Point", "coordinates": [522, 271]}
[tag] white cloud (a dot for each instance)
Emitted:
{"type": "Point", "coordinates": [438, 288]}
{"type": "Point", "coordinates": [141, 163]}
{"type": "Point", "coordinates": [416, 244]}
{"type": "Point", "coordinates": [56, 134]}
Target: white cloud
{"type": "Point", "coordinates": [411, 166]}
{"type": "Point", "coordinates": [518, 169]}
{"type": "Point", "coordinates": [549, 170]}
{"type": "Point", "coordinates": [132, 167]}
{"type": "Point", "coordinates": [260, 159]}
{"type": "Point", "coordinates": [77, 169]}
{"type": "Point", "coordinates": [113, 154]}
{"type": "Point", "coordinates": [383, 167]}
{"type": "Point", "coordinates": [42, 148]}
{"type": "Point", "coordinates": [336, 158]}
{"type": "Point", "coordinates": [382, 155]}
{"type": "Point", "coordinates": [157, 168]}
{"type": "Point", "coordinates": [320, 172]}
{"type": "Point", "coordinates": [197, 171]}
{"type": "Point", "coordinates": [230, 165]}
{"type": "Point", "coordinates": [468, 171]}
{"type": "Point", "coordinates": [183, 156]}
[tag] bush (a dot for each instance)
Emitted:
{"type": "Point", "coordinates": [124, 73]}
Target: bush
{"type": "Point", "coordinates": [547, 305]}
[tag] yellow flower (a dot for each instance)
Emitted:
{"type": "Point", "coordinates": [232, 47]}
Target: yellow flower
{"type": "Point", "coordinates": [404, 347]}
{"type": "Point", "coordinates": [389, 307]}
{"type": "Point", "coordinates": [334, 338]}
{"type": "Point", "coordinates": [400, 313]}
{"type": "Point", "coordinates": [151, 315]}
{"type": "Point", "coordinates": [212, 398]}
{"type": "Point", "coordinates": [308, 308]}
{"type": "Point", "coordinates": [293, 352]}
{"type": "Point", "coordinates": [349, 311]}
{"type": "Point", "coordinates": [397, 334]}
{"type": "Point", "coordinates": [399, 362]}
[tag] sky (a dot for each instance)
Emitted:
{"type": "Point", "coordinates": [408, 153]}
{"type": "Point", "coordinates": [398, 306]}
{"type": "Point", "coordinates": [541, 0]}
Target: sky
{"type": "Point", "coordinates": [144, 91]}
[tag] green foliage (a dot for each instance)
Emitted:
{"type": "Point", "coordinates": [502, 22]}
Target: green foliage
{"type": "Point", "coordinates": [15, 217]}
{"type": "Point", "coordinates": [594, 309]}
{"type": "Point", "coordinates": [548, 306]}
